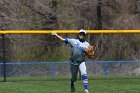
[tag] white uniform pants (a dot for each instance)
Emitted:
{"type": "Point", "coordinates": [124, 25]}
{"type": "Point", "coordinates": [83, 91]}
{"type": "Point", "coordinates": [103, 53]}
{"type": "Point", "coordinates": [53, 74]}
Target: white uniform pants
{"type": "Point", "coordinates": [83, 68]}
{"type": "Point", "coordinates": [75, 68]}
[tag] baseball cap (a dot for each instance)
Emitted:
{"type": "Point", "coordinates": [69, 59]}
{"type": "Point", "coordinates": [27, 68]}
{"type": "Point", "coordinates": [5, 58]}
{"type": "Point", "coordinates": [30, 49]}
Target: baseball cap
{"type": "Point", "coordinates": [82, 32]}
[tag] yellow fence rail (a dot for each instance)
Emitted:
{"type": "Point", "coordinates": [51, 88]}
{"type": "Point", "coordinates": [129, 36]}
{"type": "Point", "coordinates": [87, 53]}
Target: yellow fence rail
{"type": "Point", "coordinates": [69, 31]}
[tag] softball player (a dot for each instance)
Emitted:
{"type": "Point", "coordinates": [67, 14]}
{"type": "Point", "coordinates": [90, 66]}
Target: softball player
{"type": "Point", "coordinates": [77, 60]}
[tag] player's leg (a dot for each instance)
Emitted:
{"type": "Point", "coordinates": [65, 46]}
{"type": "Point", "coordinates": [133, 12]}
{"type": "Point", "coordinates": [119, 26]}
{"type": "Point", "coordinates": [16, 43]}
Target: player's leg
{"type": "Point", "coordinates": [83, 71]}
{"type": "Point", "coordinates": [74, 71]}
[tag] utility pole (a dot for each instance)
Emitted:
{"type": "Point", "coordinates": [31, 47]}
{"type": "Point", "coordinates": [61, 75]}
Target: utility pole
{"type": "Point", "coordinates": [99, 15]}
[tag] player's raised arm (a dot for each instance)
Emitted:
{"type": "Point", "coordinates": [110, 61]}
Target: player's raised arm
{"type": "Point", "coordinates": [59, 37]}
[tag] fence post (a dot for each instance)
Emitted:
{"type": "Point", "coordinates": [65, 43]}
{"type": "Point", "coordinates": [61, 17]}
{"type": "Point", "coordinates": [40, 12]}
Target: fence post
{"type": "Point", "coordinates": [105, 67]}
{"type": "Point", "coordinates": [79, 75]}
{"type": "Point", "coordinates": [52, 70]}
{"type": "Point", "coordinates": [4, 59]}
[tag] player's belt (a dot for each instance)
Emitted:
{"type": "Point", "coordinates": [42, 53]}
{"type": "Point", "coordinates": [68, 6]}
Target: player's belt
{"type": "Point", "coordinates": [76, 62]}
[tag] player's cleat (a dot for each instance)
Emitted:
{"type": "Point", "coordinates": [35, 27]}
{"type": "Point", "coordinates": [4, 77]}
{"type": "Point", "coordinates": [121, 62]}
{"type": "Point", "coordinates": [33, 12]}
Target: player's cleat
{"type": "Point", "coordinates": [72, 86]}
{"type": "Point", "coordinates": [86, 91]}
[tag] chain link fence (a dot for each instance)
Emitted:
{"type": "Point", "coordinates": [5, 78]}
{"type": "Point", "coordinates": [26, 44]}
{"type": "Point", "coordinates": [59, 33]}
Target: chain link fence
{"type": "Point", "coordinates": [60, 70]}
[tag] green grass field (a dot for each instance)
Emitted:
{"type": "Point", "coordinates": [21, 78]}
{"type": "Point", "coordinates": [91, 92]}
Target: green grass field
{"type": "Point", "coordinates": [96, 85]}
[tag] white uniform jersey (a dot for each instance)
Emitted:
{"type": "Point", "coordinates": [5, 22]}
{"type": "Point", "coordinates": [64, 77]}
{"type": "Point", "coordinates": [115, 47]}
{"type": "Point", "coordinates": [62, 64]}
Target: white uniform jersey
{"type": "Point", "coordinates": [77, 49]}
